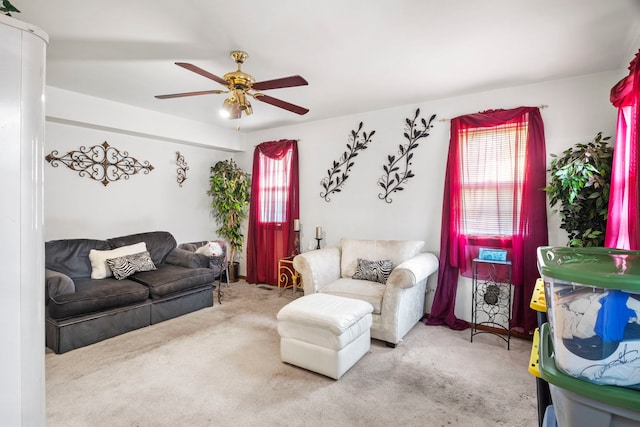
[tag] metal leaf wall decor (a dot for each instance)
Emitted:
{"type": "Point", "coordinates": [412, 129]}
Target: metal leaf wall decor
{"type": "Point", "coordinates": [101, 163]}
{"type": "Point", "coordinates": [182, 168]}
{"type": "Point", "coordinates": [396, 171]}
{"type": "Point", "coordinates": [339, 171]}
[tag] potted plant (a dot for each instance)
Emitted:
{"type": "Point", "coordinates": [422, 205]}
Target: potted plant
{"type": "Point", "coordinates": [580, 182]}
{"type": "Point", "coordinates": [230, 189]}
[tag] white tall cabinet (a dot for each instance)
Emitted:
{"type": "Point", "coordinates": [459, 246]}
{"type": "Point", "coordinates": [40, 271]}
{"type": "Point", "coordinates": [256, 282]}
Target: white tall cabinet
{"type": "Point", "coordinates": [22, 73]}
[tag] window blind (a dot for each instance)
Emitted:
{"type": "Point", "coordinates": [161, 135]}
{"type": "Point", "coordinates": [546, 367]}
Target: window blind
{"type": "Point", "coordinates": [274, 184]}
{"type": "Point", "coordinates": [492, 173]}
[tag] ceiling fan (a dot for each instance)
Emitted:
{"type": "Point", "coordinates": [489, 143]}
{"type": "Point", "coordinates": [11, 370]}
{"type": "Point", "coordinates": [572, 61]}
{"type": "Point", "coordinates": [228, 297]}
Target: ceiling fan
{"type": "Point", "coordinates": [240, 86]}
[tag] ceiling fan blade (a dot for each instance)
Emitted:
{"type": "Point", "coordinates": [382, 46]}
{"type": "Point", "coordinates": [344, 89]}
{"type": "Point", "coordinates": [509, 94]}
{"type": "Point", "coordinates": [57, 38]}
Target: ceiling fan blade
{"type": "Point", "coordinates": [178, 95]}
{"type": "Point", "coordinates": [281, 104]}
{"type": "Point", "coordinates": [203, 73]}
{"type": "Point", "coordinates": [283, 82]}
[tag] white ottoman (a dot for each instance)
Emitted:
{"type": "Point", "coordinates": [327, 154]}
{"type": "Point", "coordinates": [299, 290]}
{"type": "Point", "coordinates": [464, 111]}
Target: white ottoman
{"type": "Point", "coordinates": [324, 333]}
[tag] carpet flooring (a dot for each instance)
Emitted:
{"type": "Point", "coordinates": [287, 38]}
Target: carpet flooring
{"type": "Point", "coordinates": [221, 366]}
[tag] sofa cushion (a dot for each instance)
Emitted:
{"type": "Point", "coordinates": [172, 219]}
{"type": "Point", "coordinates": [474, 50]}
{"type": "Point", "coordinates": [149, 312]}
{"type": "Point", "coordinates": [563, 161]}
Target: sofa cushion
{"type": "Point", "coordinates": [376, 271]}
{"type": "Point", "coordinates": [92, 296]}
{"type": "Point", "coordinates": [168, 279]}
{"type": "Point", "coordinates": [99, 267]}
{"type": "Point", "coordinates": [395, 250]}
{"type": "Point", "coordinates": [365, 290]}
{"type": "Point", "coordinates": [57, 284]}
{"type": "Point", "coordinates": [187, 259]}
{"type": "Point", "coordinates": [124, 266]}
{"type": "Point", "coordinates": [71, 256]}
{"type": "Point", "coordinates": [159, 243]}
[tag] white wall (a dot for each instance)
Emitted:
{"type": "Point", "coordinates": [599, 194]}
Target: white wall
{"type": "Point", "coordinates": [577, 109]}
{"type": "Point", "coordinates": [81, 207]}
{"type": "Point", "coordinates": [87, 111]}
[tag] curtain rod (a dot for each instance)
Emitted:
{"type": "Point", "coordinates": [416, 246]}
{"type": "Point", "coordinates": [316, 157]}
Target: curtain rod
{"type": "Point", "coordinates": [539, 106]}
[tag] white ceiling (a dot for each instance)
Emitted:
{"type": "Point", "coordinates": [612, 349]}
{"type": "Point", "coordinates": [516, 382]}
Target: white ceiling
{"type": "Point", "coordinates": [357, 55]}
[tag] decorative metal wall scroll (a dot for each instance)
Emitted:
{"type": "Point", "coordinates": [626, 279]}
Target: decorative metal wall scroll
{"type": "Point", "coordinates": [101, 163]}
{"type": "Point", "coordinates": [393, 177]}
{"type": "Point", "coordinates": [337, 176]}
{"type": "Point", "coordinates": [182, 168]}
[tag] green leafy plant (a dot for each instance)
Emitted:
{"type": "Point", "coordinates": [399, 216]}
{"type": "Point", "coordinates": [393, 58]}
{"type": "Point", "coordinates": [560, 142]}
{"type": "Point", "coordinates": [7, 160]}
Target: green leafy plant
{"type": "Point", "coordinates": [7, 8]}
{"type": "Point", "coordinates": [230, 191]}
{"type": "Point", "coordinates": [580, 182]}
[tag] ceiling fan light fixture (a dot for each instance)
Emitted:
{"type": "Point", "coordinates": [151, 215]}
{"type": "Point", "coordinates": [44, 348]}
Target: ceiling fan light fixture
{"type": "Point", "coordinates": [227, 107]}
{"type": "Point", "coordinates": [243, 103]}
{"type": "Point", "coordinates": [248, 110]}
{"type": "Point", "coordinates": [241, 100]}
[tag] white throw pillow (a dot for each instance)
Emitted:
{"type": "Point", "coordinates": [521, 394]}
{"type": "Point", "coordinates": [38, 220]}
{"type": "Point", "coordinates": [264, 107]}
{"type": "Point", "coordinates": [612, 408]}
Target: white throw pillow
{"type": "Point", "coordinates": [210, 249]}
{"type": "Point", "coordinates": [99, 267]}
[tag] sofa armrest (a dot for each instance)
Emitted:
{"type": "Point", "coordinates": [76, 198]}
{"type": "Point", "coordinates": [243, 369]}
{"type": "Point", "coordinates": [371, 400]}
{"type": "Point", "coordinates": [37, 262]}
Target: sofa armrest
{"type": "Point", "coordinates": [187, 259]}
{"type": "Point", "coordinates": [57, 283]}
{"type": "Point", "coordinates": [413, 270]}
{"type": "Point", "coordinates": [318, 268]}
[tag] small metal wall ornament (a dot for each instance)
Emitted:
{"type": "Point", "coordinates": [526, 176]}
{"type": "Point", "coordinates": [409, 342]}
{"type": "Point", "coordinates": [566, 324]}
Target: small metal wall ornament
{"type": "Point", "coordinates": [337, 177]}
{"type": "Point", "coordinates": [393, 177]}
{"type": "Point", "coordinates": [182, 168]}
{"type": "Point", "coordinates": [101, 163]}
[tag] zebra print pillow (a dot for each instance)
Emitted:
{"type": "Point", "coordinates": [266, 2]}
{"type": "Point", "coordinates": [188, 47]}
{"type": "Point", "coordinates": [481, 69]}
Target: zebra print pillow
{"type": "Point", "coordinates": [375, 271]}
{"type": "Point", "coordinates": [125, 266]}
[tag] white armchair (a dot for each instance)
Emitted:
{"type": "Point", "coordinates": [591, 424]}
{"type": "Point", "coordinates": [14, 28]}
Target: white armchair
{"type": "Point", "coordinates": [397, 304]}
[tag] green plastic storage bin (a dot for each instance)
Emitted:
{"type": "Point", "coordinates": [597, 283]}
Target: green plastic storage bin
{"type": "Point", "coordinates": [593, 307]}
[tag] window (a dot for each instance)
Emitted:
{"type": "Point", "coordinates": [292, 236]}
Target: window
{"type": "Point", "coordinates": [492, 174]}
{"type": "Point", "coordinates": [274, 188]}
{"type": "Point", "coordinates": [496, 172]}
{"type": "Point", "coordinates": [273, 209]}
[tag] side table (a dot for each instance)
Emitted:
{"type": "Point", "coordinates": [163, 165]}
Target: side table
{"type": "Point", "coordinates": [288, 277]}
{"type": "Point", "coordinates": [491, 299]}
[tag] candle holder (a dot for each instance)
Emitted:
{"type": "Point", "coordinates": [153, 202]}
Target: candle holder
{"type": "Point", "coordinates": [318, 242]}
{"type": "Point", "coordinates": [296, 243]}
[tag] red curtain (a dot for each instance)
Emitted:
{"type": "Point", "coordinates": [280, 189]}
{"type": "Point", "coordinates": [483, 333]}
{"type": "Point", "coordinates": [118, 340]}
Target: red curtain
{"type": "Point", "coordinates": [623, 224]}
{"type": "Point", "coordinates": [530, 231]}
{"type": "Point", "coordinates": [274, 206]}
